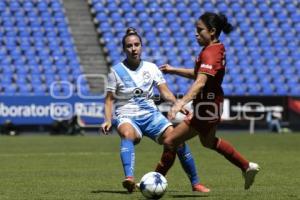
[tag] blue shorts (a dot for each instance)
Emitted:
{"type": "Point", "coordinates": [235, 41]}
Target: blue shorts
{"type": "Point", "coordinates": [151, 125]}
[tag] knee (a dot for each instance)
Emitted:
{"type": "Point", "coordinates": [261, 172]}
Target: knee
{"type": "Point", "coordinates": [129, 135]}
{"type": "Point", "coordinates": [126, 134]}
{"type": "Point", "coordinates": [167, 140]}
{"type": "Point", "coordinates": [169, 144]}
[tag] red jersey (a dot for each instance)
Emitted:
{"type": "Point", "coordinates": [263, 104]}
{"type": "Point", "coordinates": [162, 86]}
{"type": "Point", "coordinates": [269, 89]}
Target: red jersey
{"type": "Point", "coordinates": [211, 61]}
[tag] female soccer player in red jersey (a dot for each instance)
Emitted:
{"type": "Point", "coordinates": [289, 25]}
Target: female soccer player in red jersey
{"type": "Point", "coordinates": [207, 95]}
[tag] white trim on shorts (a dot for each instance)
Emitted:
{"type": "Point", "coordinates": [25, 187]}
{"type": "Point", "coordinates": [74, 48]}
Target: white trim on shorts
{"type": "Point", "coordinates": [128, 120]}
{"type": "Point", "coordinates": [162, 131]}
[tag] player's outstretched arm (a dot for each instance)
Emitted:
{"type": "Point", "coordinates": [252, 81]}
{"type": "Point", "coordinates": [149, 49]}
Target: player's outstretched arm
{"type": "Point", "coordinates": [166, 93]}
{"type": "Point", "coordinates": [191, 94]}
{"type": "Point", "coordinates": [106, 126]}
{"type": "Point", "coordinates": [187, 73]}
{"type": "Point", "coordinates": [169, 96]}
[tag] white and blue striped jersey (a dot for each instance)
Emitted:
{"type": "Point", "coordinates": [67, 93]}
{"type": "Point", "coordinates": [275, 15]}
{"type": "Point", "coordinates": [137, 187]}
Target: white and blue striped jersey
{"type": "Point", "coordinates": [134, 89]}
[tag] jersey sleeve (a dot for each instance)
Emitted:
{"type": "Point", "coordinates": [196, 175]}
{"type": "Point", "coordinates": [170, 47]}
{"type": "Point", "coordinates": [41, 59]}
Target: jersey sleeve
{"type": "Point", "coordinates": [158, 76]}
{"type": "Point", "coordinates": [208, 64]}
{"type": "Point", "coordinates": [111, 82]}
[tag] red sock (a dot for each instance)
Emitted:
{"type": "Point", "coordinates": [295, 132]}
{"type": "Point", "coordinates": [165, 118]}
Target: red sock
{"type": "Point", "coordinates": [228, 151]}
{"type": "Point", "coordinates": [167, 159]}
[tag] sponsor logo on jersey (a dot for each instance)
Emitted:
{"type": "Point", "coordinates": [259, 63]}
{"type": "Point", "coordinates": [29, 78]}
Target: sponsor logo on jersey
{"type": "Point", "coordinates": [206, 66]}
{"type": "Point", "coordinates": [146, 75]}
{"type": "Point", "coordinates": [138, 92]}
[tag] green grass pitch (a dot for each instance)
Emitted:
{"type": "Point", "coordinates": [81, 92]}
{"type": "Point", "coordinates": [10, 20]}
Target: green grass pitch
{"type": "Point", "coordinates": [89, 167]}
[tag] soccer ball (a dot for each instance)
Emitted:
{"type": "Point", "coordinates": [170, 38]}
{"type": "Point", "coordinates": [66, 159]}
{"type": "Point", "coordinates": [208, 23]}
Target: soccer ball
{"type": "Point", "coordinates": [153, 185]}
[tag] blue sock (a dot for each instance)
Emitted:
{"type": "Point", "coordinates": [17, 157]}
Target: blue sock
{"type": "Point", "coordinates": [188, 163]}
{"type": "Point", "coordinates": [127, 156]}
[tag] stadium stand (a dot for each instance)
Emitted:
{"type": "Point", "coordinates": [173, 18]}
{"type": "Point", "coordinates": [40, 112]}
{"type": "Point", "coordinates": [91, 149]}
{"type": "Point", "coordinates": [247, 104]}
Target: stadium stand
{"type": "Point", "coordinates": [36, 48]}
{"type": "Point", "coordinates": [263, 51]}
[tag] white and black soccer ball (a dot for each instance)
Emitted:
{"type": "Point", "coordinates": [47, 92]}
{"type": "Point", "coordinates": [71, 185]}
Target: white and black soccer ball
{"type": "Point", "coordinates": [153, 185]}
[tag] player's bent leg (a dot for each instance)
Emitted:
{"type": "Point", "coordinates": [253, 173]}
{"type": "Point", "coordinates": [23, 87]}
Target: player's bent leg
{"type": "Point", "coordinates": [179, 135]}
{"type": "Point", "coordinates": [209, 140]}
{"type": "Point", "coordinates": [173, 140]}
{"type": "Point", "coordinates": [126, 130]}
{"type": "Point", "coordinates": [223, 147]}
{"type": "Point", "coordinates": [166, 162]}
{"type": "Point", "coordinates": [168, 156]}
{"type": "Point", "coordinates": [127, 153]}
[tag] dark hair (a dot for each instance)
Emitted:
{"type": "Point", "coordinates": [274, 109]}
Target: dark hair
{"type": "Point", "coordinates": [130, 31]}
{"type": "Point", "coordinates": [217, 21]}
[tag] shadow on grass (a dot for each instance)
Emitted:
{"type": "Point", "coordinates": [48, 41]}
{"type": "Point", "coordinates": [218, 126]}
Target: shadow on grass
{"type": "Point", "coordinates": [110, 191]}
{"type": "Point", "coordinates": [187, 195]}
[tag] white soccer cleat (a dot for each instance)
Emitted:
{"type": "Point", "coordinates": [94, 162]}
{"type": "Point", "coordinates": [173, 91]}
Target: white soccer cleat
{"type": "Point", "coordinates": [250, 173]}
{"type": "Point", "coordinates": [137, 186]}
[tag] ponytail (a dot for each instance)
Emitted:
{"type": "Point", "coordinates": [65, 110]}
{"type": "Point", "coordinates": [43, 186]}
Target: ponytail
{"type": "Point", "coordinates": [226, 27]}
{"type": "Point", "coordinates": [219, 22]}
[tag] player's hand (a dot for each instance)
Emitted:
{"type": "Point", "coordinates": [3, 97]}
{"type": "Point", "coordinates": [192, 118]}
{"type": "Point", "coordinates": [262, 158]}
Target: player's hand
{"type": "Point", "coordinates": [184, 111]}
{"type": "Point", "coordinates": [166, 68]}
{"type": "Point", "coordinates": [105, 127]}
{"type": "Point", "coordinates": [178, 106]}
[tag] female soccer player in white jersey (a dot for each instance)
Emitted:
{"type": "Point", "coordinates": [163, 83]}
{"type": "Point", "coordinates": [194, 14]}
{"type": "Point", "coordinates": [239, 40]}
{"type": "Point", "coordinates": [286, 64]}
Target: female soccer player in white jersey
{"type": "Point", "coordinates": [130, 88]}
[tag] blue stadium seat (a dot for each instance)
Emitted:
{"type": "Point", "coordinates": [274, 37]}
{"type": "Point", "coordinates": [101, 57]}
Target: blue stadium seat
{"type": "Point", "coordinates": [241, 90]}
{"type": "Point", "coordinates": [35, 79]}
{"type": "Point", "coordinates": [2, 6]}
{"type": "Point", "coordinates": [282, 90]}
{"type": "Point", "coordinates": [22, 70]}
{"type": "Point", "coordinates": [39, 89]}
{"type": "Point", "coordinates": [268, 89]}
{"type": "Point", "coordinates": [167, 6]}
{"type": "Point", "coordinates": [251, 79]}
{"type": "Point", "coordinates": [279, 80]}
{"type": "Point", "coordinates": [254, 89]}
{"type": "Point", "coordinates": [10, 89]}
{"type": "Point", "coordinates": [139, 7]}
{"type": "Point", "coordinates": [126, 7]}
{"type": "Point", "coordinates": [235, 7]}
{"type": "Point", "coordinates": [228, 88]}
{"type": "Point", "coordinates": [24, 89]}
{"type": "Point", "coordinates": [7, 79]}
{"type": "Point", "coordinates": [112, 7]}
{"type": "Point", "coordinates": [222, 7]}
{"type": "Point", "coordinates": [295, 91]}
{"type": "Point", "coordinates": [238, 79]}
{"type": "Point", "coordinates": [174, 88]}
{"type": "Point", "coordinates": [42, 6]}
{"type": "Point", "coordinates": [56, 6]}
{"type": "Point", "coordinates": [181, 7]}
{"type": "Point", "coordinates": [263, 7]}
{"type": "Point", "coordinates": [293, 80]}
{"type": "Point", "coordinates": [153, 6]}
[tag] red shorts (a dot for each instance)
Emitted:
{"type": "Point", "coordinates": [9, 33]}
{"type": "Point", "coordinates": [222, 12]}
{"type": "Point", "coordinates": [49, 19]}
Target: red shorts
{"type": "Point", "coordinates": [206, 115]}
{"type": "Point", "coordinates": [202, 126]}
